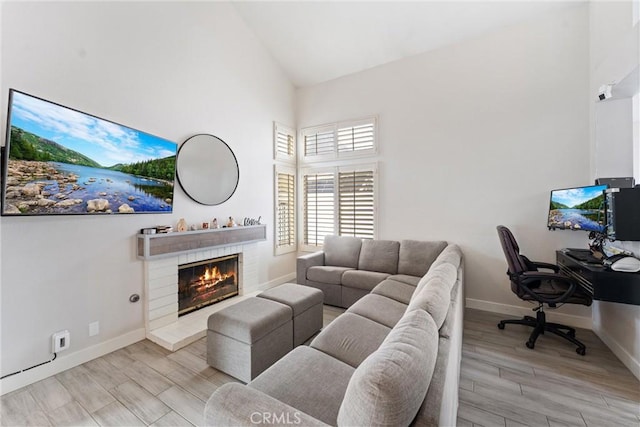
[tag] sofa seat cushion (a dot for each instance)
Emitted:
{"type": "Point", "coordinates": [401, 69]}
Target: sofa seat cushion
{"type": "Point", "coordinates": [398, 291]}
{"type": "Point", "coordinates": [383, 310]}
{"type": "Point", "coordinates": [405, 278]}
{"type": "Point", "coordinates": [328, 274]}
{"type": "Point", "coordinates": [350, 338]}
{"type": "Point", "coordinates": [379, 255]}
{"type": "Point", "coordinates": [388, 388]}
{"type": "Point", "coordinates": [415, 257]}
{"type": "Point", "coordinates": [342, 251]}
{"type": "Point", "coordinates": [308, 380]}
{"type": "Point", "coordinates": [361, 279]}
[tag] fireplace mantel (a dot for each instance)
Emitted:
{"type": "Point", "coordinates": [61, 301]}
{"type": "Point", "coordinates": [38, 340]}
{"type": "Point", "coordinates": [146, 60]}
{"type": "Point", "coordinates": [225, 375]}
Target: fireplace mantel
{"type": "Point", "coordinates": [154, 246]}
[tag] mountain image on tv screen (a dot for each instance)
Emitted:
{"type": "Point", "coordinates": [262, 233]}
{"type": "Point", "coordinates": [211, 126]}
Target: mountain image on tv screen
{"type": "Point", "coordinates": [62, 161]}
{"type": "Point", "coordinates": [579, 208]}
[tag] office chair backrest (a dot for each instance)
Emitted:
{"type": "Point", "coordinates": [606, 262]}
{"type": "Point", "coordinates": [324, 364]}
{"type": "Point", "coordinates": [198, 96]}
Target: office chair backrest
{"type": "Point", "coordinates": [517, 263]}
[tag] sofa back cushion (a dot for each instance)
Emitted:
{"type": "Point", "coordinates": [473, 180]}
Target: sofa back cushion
{"type": "Point", "coordinates": [416, 256]}
{"type": "Point", "coordinates": [446, 272]}
{"type": "Point", "coordinates": [379, 255]}
{"type": "Point", "coordinates": [450, 255]}
{"type": "Point", "coordinates": [389, 386]}
{"type": "Point", "coordinates": [342, 251]}
{"type": "Point", "coordinates": [434, 298]}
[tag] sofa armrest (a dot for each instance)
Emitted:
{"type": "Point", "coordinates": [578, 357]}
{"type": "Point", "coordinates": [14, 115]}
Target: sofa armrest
{"type": "Point", "coordinates": [304, 262]}
{"type": "Point", "coordinates": [235, 404]}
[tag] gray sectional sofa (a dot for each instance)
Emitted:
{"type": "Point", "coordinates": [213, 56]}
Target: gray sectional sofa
{"type": "Point", "coordinates": [349, 268]}
{"type": "Point", "coordinates": [392, 359]}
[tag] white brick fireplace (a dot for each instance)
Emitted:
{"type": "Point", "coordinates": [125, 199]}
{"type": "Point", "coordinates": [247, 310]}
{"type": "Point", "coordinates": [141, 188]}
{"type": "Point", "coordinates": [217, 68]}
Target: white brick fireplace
{"type": "Point", "coordinates": [162, 324]}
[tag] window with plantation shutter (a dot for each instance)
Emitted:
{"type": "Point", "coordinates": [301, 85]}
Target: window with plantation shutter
{"type": "Point", "coordinates": [319, 141]}
{"type": "Point", "coordinates": [318, 207]}
{"type": "Point", "coordinates": [284, 142]}
{"type": "Point", "coordinates": [339, 140]}
{"type": "Point", "coordinates": [338, 181]}
{"type": "Point", "coordinates": [356, 137]}
{"type": "Point", "coordinates": [285, 210]}
{"type": "Point", "coordinates": [338, 200]}
{"type": "Point", "coordinates": [356, 203]}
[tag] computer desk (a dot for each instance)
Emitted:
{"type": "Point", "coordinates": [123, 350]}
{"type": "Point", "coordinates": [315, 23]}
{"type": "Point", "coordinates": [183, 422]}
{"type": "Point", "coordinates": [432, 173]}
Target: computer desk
{"type": "Point", "coordinates": [601, 283]}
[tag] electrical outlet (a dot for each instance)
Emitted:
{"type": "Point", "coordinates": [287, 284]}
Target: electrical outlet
{"type": "Point", "coordinates": [94, 328]}
{"type": "Point", "coordinates": [61, 341]}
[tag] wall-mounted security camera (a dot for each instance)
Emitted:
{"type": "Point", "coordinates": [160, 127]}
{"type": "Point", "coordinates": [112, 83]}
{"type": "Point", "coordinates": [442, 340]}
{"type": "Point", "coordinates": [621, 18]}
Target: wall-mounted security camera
{"type": "Point", "coordinates": [605, 92]}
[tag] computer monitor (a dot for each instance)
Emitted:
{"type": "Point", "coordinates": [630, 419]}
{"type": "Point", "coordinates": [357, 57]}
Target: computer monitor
{"type": "Point", "coordinates": [579, 208]}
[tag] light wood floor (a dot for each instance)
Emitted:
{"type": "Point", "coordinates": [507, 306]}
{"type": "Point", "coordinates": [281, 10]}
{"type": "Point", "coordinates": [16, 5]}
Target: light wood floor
{"type": "Point", "coordinates": [502, 384]}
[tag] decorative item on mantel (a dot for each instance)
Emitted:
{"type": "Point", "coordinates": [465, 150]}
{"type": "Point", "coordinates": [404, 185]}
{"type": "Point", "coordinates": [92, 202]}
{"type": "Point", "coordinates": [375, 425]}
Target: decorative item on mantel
{"type": "Point", "coordinates": [231, 222]}
{"type": "Point", "coordinates": [181, 225]}
{"type": "Point", "coordinates": [252, 221]}
{"type": "Point", "coordinates": [163, 229]}
{"type": "Point", "coordinates": [214, 223]}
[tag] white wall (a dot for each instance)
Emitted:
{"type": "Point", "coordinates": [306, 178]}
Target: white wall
{"type": "Point", "coordinates": [170, 69]}
{"type": "Point", "coordinates": [614, 54]}
{"type": "Point", "coordinates": [475, 135]}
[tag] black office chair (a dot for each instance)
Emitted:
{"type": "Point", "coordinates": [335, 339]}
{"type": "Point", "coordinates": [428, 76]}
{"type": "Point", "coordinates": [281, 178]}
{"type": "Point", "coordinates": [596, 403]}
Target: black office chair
{"type": "Point", "coordinates": [548, 288]}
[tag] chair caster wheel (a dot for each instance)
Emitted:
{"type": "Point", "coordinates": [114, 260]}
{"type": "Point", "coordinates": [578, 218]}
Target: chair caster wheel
{"type": "Point", "coordinates": [530, 344]}
{"type": "Point", "coordinates": [500, 325]}
{"type": "Point", "coordinates": [581, 351]}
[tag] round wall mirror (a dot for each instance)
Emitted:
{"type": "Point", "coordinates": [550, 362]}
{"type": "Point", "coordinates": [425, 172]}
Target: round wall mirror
{"type": "Point", "coordinates": [207, 169]}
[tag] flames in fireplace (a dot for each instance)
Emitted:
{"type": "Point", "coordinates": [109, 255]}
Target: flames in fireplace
{"type": "Point", "coordinates": [206, 282]}
{"type": "Point", "coordinates": [212, 277]}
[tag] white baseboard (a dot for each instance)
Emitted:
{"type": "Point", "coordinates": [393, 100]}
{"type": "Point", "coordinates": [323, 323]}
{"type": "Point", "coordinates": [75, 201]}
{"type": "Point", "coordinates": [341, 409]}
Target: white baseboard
{"type": "Point", "coordinates": [621, 353]}
{"type": "Point", "coordinates": [64, 362]}
{"type": "Point", "coordinates": [514, 310]}
{"type": "Point", "coordinates": [291, 277]}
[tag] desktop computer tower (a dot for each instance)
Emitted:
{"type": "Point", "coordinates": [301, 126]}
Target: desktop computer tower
{"type": "Point", "coordinates": [621, 182]}
{"type": "Point", "coordinates": [622, 207]}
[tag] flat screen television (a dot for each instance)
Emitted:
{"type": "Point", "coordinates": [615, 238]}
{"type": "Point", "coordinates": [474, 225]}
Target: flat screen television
{"type": "Point", "coordinates": [580, 208]}
{"type": "Point", "coordinates": [60, 161]}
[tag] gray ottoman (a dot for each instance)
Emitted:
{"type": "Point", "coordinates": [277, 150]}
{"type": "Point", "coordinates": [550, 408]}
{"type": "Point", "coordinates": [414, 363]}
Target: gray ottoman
{"type": "Point", "coordinates": [246, 338]}
{"type": "Point", "coordinates": [306, 304]}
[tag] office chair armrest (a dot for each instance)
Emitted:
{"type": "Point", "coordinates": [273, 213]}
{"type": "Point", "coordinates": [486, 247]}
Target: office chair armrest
{"type": "Point", "coordinates": [536, 264]}
{"type": "Point", "coordinates": [534, 276]}
{"type": "Point", "coordinates": [546, 265]}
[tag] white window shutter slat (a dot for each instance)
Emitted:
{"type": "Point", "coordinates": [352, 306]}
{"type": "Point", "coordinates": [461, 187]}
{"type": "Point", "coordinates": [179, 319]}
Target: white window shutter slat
{"type": "Point", "coordinates": [356, 203]}
{"type": "Point", "coordinates": [319, 207]}
{"type": "Point", "coordinates": [285, 210]}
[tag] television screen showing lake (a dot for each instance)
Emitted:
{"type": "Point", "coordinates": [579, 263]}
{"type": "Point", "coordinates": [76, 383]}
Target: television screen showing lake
{"type": "Point", "coordinates": [579, 208]}
{"type": "Point", "coordinates": [59, 188]}
{"type": "Point", "coordinates": [63, 161]}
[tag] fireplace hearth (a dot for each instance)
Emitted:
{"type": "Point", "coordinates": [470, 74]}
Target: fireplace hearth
{"type": "Point", "coordinates": [206, 282]}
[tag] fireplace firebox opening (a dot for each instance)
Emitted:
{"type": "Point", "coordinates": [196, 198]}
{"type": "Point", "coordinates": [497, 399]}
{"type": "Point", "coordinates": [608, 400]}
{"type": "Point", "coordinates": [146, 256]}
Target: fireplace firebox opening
{"type": "Point", "coordinates": [206, 282]}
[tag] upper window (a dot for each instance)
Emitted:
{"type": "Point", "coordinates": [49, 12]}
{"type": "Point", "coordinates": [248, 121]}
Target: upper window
{"type": "Point", "coordinates": [284, 143]}
{"type": "Point", "coordinates": [339, 140]}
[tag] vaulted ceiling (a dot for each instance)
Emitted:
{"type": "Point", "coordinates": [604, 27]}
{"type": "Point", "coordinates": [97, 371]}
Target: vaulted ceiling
{"type": "Point", "coordinates": [319, 41]}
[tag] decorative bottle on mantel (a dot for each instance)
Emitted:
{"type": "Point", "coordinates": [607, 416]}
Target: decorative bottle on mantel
{"type": "Point", "coordinates": [182, 225]}
{"type": "Point", "coordinates": [231, 222]}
